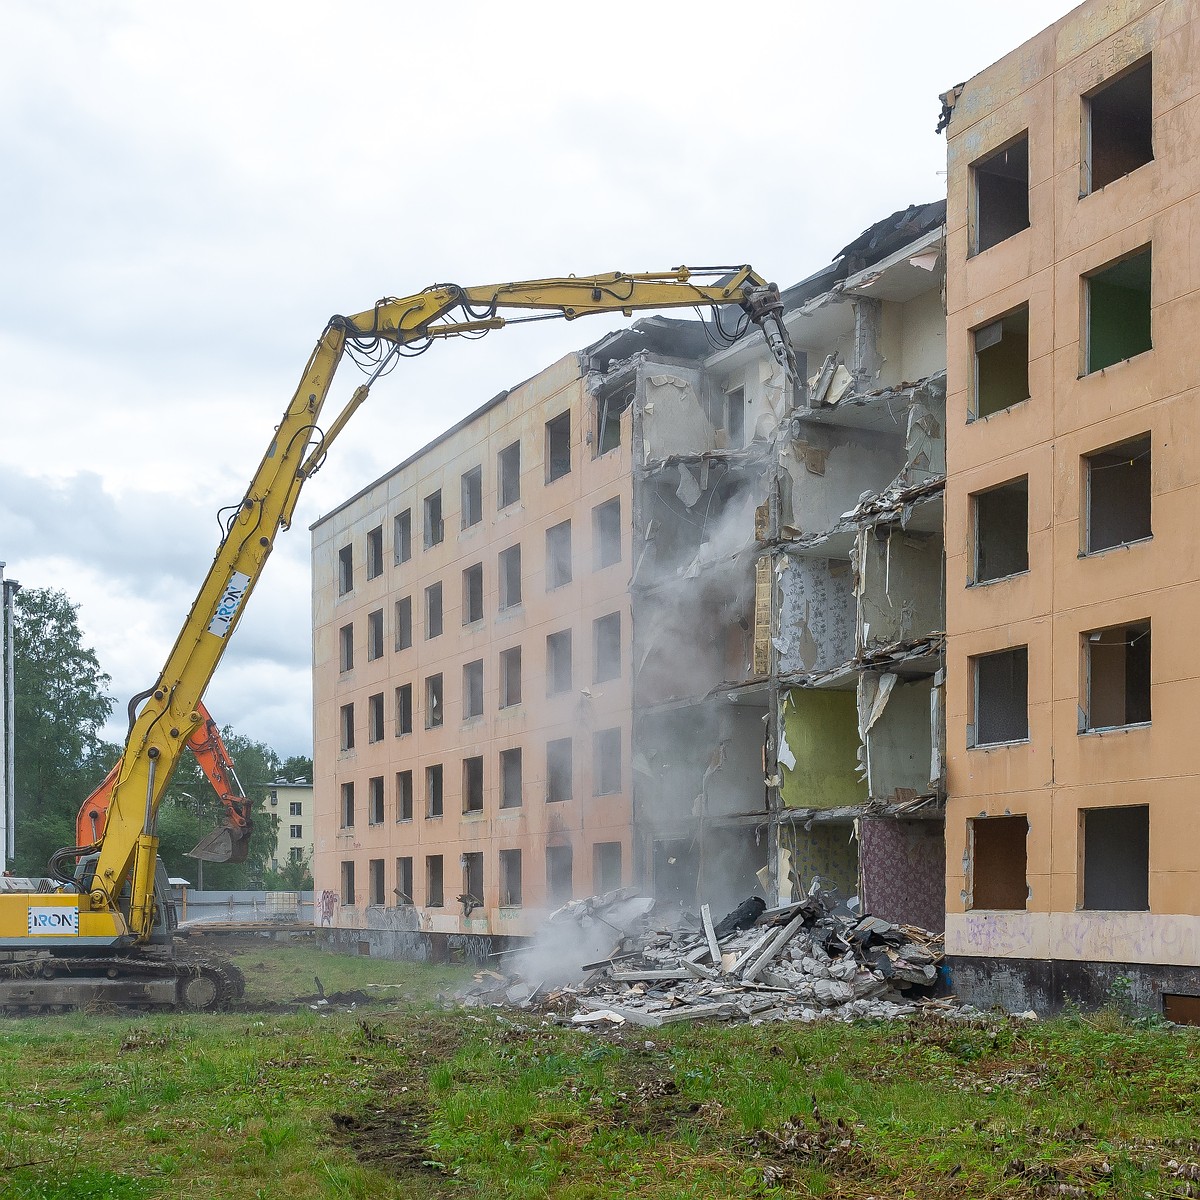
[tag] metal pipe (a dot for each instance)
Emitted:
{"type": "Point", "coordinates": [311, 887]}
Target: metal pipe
{"type": "Point", "coordinates": [9, 588]}
{"type": "Point", "coordinates": [148, 823]}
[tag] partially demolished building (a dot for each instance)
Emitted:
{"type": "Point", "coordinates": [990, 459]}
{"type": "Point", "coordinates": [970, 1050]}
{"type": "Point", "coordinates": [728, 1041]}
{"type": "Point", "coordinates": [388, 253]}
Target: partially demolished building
{"type": "Point", "coordinates": [653, 617]}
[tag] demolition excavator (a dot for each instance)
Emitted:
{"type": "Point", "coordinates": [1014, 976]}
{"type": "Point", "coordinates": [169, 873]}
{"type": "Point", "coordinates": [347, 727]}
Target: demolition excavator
{"type": "Point", "coordinates": [102, 926]}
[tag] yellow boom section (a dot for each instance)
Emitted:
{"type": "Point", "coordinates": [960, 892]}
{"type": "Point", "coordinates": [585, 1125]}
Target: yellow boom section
{"type": "Point", "coordinates": [170, 714]}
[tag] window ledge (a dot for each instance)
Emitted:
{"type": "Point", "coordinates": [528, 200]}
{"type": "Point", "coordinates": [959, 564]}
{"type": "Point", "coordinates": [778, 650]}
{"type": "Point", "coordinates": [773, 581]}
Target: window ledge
{"type": "Point", "coordinates": [511, 810]}
{"type": "Point", "coordinates": [1113, 182]}
{"type": "Point", "coordinates": [1099, 730]}
{"type": "Point", "coordinates": [1121, 362]}
{"type": "Point", "coordinates": [999, 745]}
{"type": "Point", "coordinates": [975, 418]}
{"type": "Point", "coordinates": [1119, 546]}
{"type": "Point", "coordinates": [978, 583]}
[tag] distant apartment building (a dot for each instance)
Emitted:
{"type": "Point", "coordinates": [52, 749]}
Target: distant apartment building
{"type": "Point", "coordinates": [654, 617]}
{"type": "Point", "coordinates": [1073, 483]}
{"type": "Point", "coordinates": [291, 801]}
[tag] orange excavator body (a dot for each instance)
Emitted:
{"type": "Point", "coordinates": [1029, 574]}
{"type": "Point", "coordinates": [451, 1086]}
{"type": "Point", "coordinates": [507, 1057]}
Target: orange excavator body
{"type": "Point", "coordinates": [229, 843]}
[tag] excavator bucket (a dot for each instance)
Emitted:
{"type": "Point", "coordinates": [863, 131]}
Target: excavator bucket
{"type": "Point", "coordinates": [230, 843]}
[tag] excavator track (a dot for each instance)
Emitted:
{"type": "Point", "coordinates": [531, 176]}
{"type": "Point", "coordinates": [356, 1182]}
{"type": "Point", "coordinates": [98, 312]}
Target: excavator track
{"type": "Point", "coordinates": [191, 981]}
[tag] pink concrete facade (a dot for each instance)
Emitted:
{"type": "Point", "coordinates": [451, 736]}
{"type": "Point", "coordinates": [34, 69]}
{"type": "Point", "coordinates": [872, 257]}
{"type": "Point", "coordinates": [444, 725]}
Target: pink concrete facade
{"type": "Point", "coordinates": [360, 856]}
{"type": "Point", "coordinates": [1070, 772]}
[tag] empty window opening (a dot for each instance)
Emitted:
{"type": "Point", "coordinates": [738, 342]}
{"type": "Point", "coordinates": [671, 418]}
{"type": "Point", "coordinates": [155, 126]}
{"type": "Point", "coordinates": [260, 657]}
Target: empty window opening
{"type": "Point", "coordinates": [1001, 363]}
{"type": "Point", "coordinates": [434, 893]}
{"type": "Point", "coordinates": [434, 797]}
{"type": "Point", "coordinates": [558, 663]}
{"type": "Point", "coordinates": [510, 577]}
{"type": "Point", "coordinates": [375, 635]}
{"type": "Point", "coordinates": [404, 881]}
{"type": "Point", "coordinates": [404, 709]}
{"type": "Point", "coordinates": [998, 862]}
{"type": "Point", "coordinates": [347, 727]}
{"type": "Point", "coordinates": [1001, 194]}
{"type": "Point", "coordinates": [375, 552]}
{"type": "Point", "coordinates": [510, 878]}
{"type": "Point", "coordinates": [606, 762]}
{"type": "Point", "coordinates": [472, 600]}
{"type": "Point", "coordinates": [1117, 670]}
{"type": "Point", "coordinates": [1116, 858]}
{"type": "Point", "coordinates": [347, 883]}
{"type": "Point", "coordinates": [433, 701]}
{"type": "Point", "coordinates": [1002, 531]}
{"type": "Point", "coordinates": [558, 555]}
{"type": "Point", "coordinates": [558, 447]}
{"type": "Point", "coordinates": [435, 529]}
{"type": "Point", "coordinates": [606, 533]}
{"type": "Point", "coordinates": [404, 623]}
{"type": "Point", "coordinates": [510, 677]}
{"type": "Point", "coordinates": [433, 610]}
{"type": "Point", "coordinates": [609, 408]}
{"type": "Point", "coordinates": [559, 771]}
{"type": "Point", "coordinates": [472, 497]}
{"type": "Point", "coordinates": [472, 893]}
{"type": "Point", "coordinates": [606, 867]}
{"type": "Point", "coordinates": [1118, 495]}
{"type": "Point", "coordinates": [345, 570]}
{"type": "Point", "coordinates": [1001, 697]}
{"type": "Point", "coordinates": [375, 718]}
{"type": "Point", "coordinates": [346, 647]}
{"type": "Point", "coordinates": [1118, 127]}
{"type": "Point", "coordinates": [510, 778]}
{"type": "Point", "coordinates": [404, 795]}
{"type": "Point", "coordinates": [559, 868]}
{"type": "Point", "coordinates": [1118, 311]}
{"type": "Point", "coordinates": [735, 418]}
{"type": "Point", "coordinates": [472, 785]}
{"type": "Point", "coordinates": [347, 813]}
{"type": "Point", "coordinates": [402, 536]}
{"type": "Point", "coordinates": [375, 800]}
{"type": "Point", "coordinates": [375, 881]}
{"type": "Point", "coordinates": [473, 689]}
{"type": "Point", "coordinates": [508, 475]}
{"type": "Point", "coordinates": [606, 645]}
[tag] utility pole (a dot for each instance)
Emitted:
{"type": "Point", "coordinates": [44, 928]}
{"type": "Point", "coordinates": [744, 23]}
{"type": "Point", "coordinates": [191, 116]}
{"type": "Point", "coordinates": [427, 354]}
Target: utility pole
{"type": "Point", "coordinates": [8, 592]}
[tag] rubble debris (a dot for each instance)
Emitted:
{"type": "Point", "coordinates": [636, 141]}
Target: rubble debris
{"type": "Point", "coordinates": [812, 960]}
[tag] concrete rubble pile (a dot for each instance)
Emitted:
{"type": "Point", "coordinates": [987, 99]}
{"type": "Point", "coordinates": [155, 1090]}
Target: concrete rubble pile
{"type": "Point", "coordinates": [816, 959]}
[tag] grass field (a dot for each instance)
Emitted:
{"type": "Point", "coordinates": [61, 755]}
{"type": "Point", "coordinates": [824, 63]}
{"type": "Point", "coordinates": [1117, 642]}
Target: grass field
{"type": "Point", "coordinates": [403, 1100]}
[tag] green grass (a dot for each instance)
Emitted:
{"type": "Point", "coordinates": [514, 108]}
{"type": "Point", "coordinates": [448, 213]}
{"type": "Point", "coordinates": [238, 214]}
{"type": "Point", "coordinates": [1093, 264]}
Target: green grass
{"type": "Point", "coordinates": [410, 1101]}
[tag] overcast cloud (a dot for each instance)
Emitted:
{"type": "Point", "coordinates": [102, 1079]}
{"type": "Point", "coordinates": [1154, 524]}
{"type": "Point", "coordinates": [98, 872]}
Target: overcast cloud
{"type": "Point", "coordinates": [189, 191]}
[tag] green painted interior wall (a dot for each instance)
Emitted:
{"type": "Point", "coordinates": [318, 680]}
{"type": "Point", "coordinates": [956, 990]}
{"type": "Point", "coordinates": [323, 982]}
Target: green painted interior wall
{"type": "Point", "coordinates": [822, 733]}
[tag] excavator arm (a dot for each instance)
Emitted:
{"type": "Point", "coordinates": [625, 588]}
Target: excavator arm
{"type": "Point", "coordinates": [172, 712]}
{"type": "Point", "coordinates": [230, 843]}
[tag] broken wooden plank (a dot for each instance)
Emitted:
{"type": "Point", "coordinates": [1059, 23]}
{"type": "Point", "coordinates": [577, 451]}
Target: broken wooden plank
{"type": "Point", "coordinates": [749, 954]}
{"type": "Point", "coordinates": [776, 944]}
{"type": "Point", "coordinates": [709, 932]}
{"type": "Point", "coordinates": [650, 976]}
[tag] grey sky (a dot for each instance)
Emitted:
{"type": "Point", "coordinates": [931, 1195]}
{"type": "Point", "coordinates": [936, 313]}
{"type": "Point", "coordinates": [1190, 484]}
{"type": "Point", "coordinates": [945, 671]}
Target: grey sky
{"type": "Point", "coordinates": [190, 191]}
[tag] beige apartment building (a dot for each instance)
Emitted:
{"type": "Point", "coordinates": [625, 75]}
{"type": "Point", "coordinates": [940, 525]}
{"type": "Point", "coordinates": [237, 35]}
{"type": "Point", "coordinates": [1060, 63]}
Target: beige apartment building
{"type": "Point", "coordinates": [291, 800]}
{"type": "Point", "coordinates": [1073, 562]}
{"type": "Point", "coordinates": [655, 618]}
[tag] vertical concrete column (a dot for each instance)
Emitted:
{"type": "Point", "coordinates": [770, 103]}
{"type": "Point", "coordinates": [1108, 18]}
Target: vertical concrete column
{"type": "Point", "coordinates": [868, 329]}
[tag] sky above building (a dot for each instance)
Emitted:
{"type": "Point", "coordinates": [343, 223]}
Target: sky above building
{"type": "Point", "coordinates": [189, 192]}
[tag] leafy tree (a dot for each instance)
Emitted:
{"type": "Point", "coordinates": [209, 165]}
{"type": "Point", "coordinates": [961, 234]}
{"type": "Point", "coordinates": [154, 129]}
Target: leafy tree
{"type": "Point", "coordinates": [295, 875]}
{"type": "Point", "coordinates": [297, 767]}
{"type": "Point", "coordinates": [61, 704]}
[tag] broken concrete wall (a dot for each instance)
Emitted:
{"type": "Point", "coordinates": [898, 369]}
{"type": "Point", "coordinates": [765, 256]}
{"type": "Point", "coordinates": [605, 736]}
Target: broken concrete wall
{"type": "Point", "coordinates": [899, 586]}
{"type": "Point", "coordinates": [827, 469]}
{"type": "Point", "coordinates": [818, 748]}
{"type": "Point", "coordinates": [903, 867]}
{"type": "Point", "coordinates": [899, 743]}
{"type": "Point", "coordinates": [826, 850]}
{"type": "Point", "coordinates": [699, 762]}
{"type": "Point", "coordinates": [676, 413]}
{"type": "Point", "coordinates": [925, 436]}
{"type": "Point", "coordinates": [817, 614]}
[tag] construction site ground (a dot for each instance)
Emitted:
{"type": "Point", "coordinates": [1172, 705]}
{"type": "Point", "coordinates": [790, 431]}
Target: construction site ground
{"type": "Point", "coordinates": [382, 1091]}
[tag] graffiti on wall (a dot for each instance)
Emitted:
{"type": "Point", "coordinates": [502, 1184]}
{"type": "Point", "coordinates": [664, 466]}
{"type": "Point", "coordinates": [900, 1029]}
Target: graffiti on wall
{"type": "Point", "coordinates": [327, 903]}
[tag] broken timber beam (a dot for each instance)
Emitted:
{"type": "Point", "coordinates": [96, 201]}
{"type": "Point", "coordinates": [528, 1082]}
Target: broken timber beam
{"type": "Point", "coordinates": [776, 944]}
{"type": "Point", "coordinates": [709, 932]}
